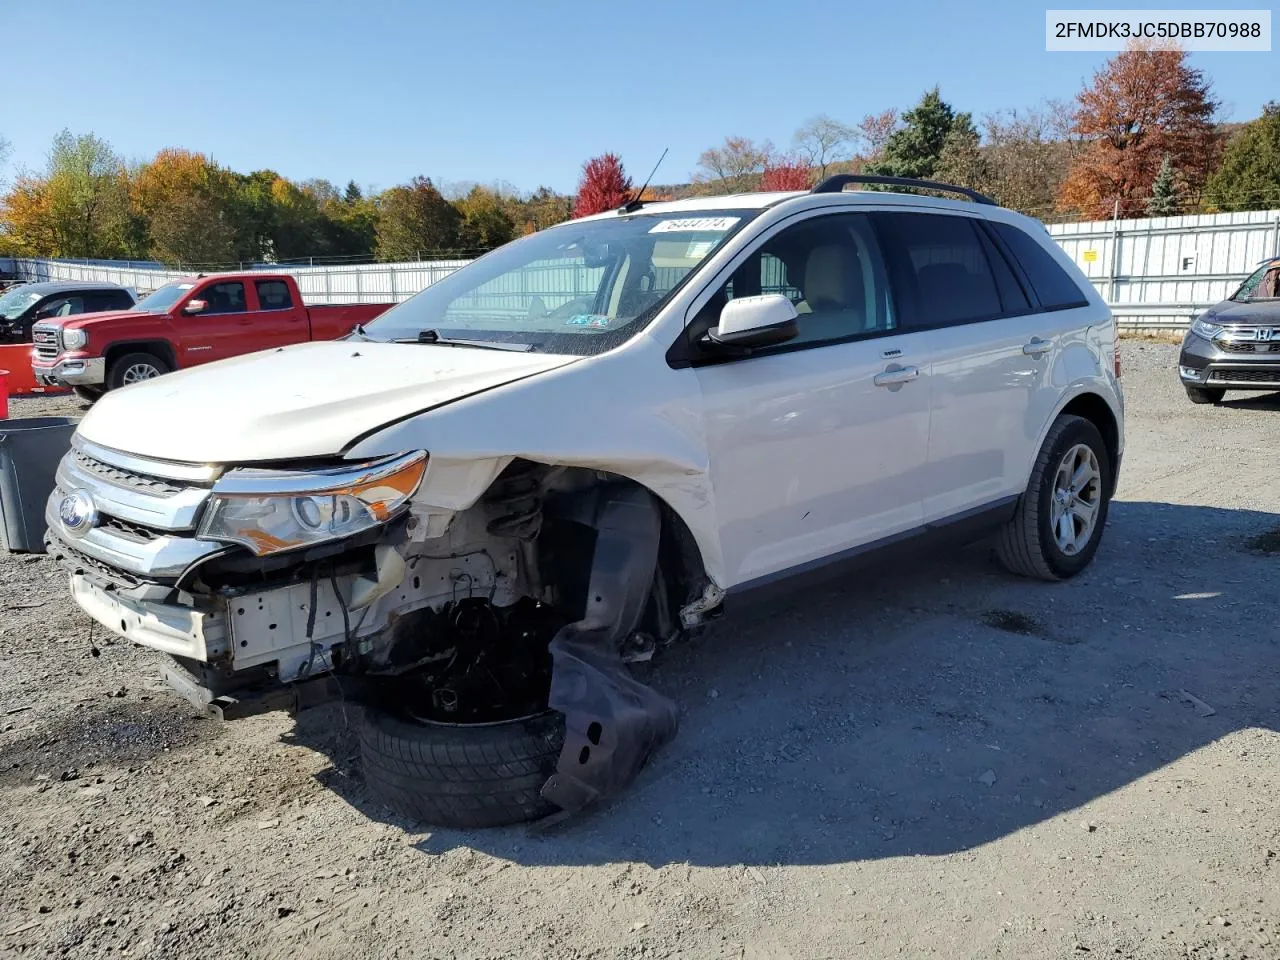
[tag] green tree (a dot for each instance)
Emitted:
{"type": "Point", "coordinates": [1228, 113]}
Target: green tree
{"type": "Point", "coordinates": [485, 221]}
{"type": "Point", "coordinates": [915, 148]}
{"type": "Point", "coordinates": [962, 161]}
{"type": "Point", "coordinates": [1249, 176]}
{"type": "Point", "coordinates": [1164, 200]}
{"type": "Point", "coordinates": [184, 200]}
{"type": "Point", "coordinates": [87, 191]}
{"type": "Point", "coordinates": [352, 193]}
{"type": "Point", "coordinates": [414, 219]}
{"type": "Point", "coordinates": [545, 208]}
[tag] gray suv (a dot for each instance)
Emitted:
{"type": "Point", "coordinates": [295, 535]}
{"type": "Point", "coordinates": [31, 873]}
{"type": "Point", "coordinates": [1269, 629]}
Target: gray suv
{"type": "Point", "coordinates": [1235, 345]}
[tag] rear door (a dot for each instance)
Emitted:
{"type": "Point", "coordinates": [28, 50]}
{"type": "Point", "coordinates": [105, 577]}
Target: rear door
{"type": "Point", "coordinates": [992, 379]}
{"type": "Point", "coordinates": [278, 321]}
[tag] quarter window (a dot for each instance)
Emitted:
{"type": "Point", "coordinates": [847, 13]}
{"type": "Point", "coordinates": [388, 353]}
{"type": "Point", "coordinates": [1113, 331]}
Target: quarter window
{"type": "Point", "coordinates": [227, 297]}
{"type": "Point", "coordinates": [1056, 290]}
{"type": "Point", "coordinates": [940, 271]}
{"type": "Point", "coordinates": [273, 295]}
{"type": "Point", "coordinates": [829, 267]}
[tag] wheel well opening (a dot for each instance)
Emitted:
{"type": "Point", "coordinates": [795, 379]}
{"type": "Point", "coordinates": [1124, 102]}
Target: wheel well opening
{"type": "Point", "coordinates": [156, 348]}
{"type": "Point", "coordinates": [1097, 411]}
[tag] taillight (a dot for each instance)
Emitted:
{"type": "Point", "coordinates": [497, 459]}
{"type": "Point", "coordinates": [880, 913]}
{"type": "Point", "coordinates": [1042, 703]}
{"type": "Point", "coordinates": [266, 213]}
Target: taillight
{"type": "Point", "coordinates": [1116, 354]}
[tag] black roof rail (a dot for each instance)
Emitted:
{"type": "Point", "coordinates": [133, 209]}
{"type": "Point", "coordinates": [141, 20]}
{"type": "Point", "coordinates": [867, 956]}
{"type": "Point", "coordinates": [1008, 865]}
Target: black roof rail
{"type": "Point", "coordinates": [837, 183]}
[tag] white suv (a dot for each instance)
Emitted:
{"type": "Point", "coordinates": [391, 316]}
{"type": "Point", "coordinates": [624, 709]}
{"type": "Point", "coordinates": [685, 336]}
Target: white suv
{"type": "Point", "coordinates": [473, 513]}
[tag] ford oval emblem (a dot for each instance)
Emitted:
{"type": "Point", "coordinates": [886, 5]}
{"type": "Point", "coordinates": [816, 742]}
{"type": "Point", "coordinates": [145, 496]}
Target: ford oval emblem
{"type": "Point", "coordinates": [77, 512]}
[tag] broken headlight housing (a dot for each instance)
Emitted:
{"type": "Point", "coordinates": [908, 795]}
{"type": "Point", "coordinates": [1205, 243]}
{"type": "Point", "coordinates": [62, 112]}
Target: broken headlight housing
{"type": "Point", "coordinates": [271, 511]}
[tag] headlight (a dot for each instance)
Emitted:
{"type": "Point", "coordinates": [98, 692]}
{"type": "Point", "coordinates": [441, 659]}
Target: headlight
{"type": "Point", "coordinates": [1206, 329]}
{"type": "Point", "coordinates": [270, 511]}
{"type": "Point", "coordinates": [74, 339]}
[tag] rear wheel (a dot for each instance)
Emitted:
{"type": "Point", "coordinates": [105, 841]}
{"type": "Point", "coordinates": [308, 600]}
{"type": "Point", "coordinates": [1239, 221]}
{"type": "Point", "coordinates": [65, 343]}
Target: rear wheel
{"type": "Point", "coordinates": [1058, 523]}
{"type": "Point", "coordinates": [1205, 394]}
{"type": "Point", "coordinates": [134, 368]}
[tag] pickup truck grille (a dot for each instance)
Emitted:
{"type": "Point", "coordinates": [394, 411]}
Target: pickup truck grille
{"type": "Point", "coordinates": [147, 515]}
{"type": "Point", "coordinates": [46, 341]}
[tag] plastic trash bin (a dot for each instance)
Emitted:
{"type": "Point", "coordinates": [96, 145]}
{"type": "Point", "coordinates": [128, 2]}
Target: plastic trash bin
{"type": "Point", "coordinates": [29, 453]}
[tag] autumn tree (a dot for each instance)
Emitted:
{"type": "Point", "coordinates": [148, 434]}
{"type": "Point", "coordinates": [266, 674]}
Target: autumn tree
{"type": "Point", "coordinates": [186, 200]}
{"type": "Point", "coordinates": [544, 208]}
{"type": "Point", "coordinates": [787, 173]}
{"type": "Point", "coordinates": [1027, 154]}
{"type": "Point", "coordinates": [413, 219]}
{"type": "Point", "coordinates": [486, 222]}
{"type": "Point", "coordinates": [604, 185]}
{"type": "Point", "coordinates": [1142, 105]}
{"type": "Point", "coordinates": [821, 141]}
{"type": "Point", "coordinates": [1249, 176]}
{"type": "Point", "coordinates": [733, 167]}
{"type": "Point", "coordinates": [913, 150]}
{"type": "Point", "coordinates": [874, 131]}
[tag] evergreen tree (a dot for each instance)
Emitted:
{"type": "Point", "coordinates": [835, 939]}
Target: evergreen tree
{"type": "Point", "coordinates": [1164, 191]}
{"type": "Point", "coordinates": [915, 149]}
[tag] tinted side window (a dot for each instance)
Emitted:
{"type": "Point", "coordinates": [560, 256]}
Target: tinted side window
{"type": "Point", "coordinates": [1052, 284]}
{"type": "Point", "coordinates": [224, 297]}
{"type": "Point", "coordinates": [830, 267]}
{"type": "Point", "coordinates": [940, 271]}
{"type": "Point", "coordinates": [62, 307]}
{"type": "Point", "coordinates": [273, 295]}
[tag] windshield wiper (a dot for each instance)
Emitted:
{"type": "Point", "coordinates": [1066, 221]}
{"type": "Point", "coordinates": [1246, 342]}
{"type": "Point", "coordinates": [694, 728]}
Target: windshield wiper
{"type": "Point", "coordinates": [433, 337]}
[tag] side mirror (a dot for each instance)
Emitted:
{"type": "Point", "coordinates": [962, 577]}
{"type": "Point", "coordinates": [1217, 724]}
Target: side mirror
{"type": "Point", "coordinates": [195, 306]}
{"type": "Point", "coordinates": [756, 322]}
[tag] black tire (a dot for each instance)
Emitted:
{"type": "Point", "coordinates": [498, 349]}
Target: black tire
{"type": "Point", "coordinates": [1026, 545]}
{"type": "Point", "coordinates": [121, 366]}
{"type": "Point", "coordinates": [88, 394]}
{"type": "Point", "coordinates": [477, 775]}
{"type": "Point", "coordinates": [1206, 394]}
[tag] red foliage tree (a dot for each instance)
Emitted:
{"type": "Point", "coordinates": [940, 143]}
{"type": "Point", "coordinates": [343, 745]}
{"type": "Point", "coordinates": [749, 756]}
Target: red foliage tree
{"type": "Point", "coordinates": [786, 174]}
{"type": "Point", "coordinates": [604, 185]}
{"type": "Point", "coordinates": [1143, 105]}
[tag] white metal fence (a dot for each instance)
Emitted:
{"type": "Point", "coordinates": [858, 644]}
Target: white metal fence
{"type": "Point", "coordinates": [1157, 273]}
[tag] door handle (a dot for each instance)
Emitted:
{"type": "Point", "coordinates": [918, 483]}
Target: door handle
{"type": "Point", "coordinates": [1036, 347]}
{"type": "Point", "coordinates": [895, 375]}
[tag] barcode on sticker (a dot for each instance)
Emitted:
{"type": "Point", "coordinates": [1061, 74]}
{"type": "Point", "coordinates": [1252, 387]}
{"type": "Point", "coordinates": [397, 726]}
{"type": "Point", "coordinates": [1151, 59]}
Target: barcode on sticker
{"type": "Point", "coordinates": [694, 224]}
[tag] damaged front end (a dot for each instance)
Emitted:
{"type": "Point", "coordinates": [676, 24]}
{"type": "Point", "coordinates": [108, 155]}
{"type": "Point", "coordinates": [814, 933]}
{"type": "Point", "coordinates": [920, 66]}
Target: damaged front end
{"type": "Point", "coordinates": [274, 588]}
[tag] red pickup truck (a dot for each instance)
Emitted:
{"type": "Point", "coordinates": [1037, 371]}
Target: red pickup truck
{"type": "Point", "coordinates": [182, 324]}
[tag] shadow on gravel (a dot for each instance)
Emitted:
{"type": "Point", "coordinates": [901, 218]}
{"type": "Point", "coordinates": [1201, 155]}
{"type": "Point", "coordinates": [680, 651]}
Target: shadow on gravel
{"type": "Point", "coordinates": [885, 718]}
{"type": "Point", "coordinates": [1253, 401]}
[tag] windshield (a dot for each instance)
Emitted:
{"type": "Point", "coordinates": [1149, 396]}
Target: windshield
{"type": "Point", "coordinates": [580, 288]}
{"type": "Point", "coordinates": [1263, 285]}
{"type": "Point", "coordinates": [164, 298]}
{"type": "Point", "coordinates": [14, 303]}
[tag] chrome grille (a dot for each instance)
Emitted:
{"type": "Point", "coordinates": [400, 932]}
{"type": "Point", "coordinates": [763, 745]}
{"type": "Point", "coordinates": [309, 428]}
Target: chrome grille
{"type": "Point", "coordinates": [130, 531]}
{"type": "Point", "coordinates": [46, 342]}
{"type": "Point", "coordinates": [123, 478]}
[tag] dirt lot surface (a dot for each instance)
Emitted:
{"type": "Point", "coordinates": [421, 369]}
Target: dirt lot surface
{"type": "Point", "coordinates": [931, 759]}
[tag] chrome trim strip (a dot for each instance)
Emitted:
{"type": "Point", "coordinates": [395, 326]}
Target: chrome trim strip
{"type": "Point", "coordinates": [175, 512]}
{"type": "Point", "coordinates": [253, 481]}
{"type": "Point", "coordinates": [161, 558]}
{"type": "Point", "coordinates": [165, 469]}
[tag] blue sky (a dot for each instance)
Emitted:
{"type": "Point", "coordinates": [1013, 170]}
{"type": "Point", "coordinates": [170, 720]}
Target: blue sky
{"type": "Point", "coordinates": [523, 92]}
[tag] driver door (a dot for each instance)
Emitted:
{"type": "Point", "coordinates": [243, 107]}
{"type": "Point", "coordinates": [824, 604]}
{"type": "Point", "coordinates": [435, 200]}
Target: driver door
{"type": "Point", "coordinates": [817, 446]}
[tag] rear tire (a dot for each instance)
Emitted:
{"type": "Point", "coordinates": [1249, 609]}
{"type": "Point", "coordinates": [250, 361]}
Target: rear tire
{"type": "Point", "coordinates": [1206, 394]}
{"type": "Point", "coordinates": [466, 776]}
{"type": "Point", "coordinates": [1032, 543]}
{"type": "Point", "coordinates": [134, 368]}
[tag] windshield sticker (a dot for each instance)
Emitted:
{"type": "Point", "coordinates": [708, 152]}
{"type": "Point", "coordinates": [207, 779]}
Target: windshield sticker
{"type": "Point", "coordinates": [694, 224]}
{"type": "Point", "coordinates": [595, 320]}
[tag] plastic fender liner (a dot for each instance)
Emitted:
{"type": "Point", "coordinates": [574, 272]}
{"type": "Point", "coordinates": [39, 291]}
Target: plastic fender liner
{"type": "Point", "coordinates": [613, 723]}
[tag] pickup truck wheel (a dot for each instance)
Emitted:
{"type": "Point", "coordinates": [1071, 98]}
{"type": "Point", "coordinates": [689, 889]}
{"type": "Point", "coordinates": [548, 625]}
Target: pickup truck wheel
{"type": "Point", "coordinates": [1206, 394]}
{"type": "Point", "coordinates": [462, 775]}
{"type": "Point", "coordinates": [1058, 523]}
{"type": "Point", "coordinates": [134, 368]}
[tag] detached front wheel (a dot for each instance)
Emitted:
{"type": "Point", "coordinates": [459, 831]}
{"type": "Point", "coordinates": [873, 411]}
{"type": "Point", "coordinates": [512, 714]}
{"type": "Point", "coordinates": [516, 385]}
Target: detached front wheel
{"type": "Point", "coordinates": [1059, 520]}
{"type": "Point", "coordinates": [462, 775]}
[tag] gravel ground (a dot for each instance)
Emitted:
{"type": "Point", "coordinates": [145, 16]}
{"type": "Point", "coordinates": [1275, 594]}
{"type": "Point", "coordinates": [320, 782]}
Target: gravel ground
{"type": "Point", "coordinates": [934, 759]}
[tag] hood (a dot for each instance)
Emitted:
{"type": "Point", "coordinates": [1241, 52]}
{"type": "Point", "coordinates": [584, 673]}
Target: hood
{"type": "Point", "coordinates": [1262, 312]}
{"type": "Point", "coordinates": [78, 320]}
{"type": "Point", "coordinates": [309, 400]}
